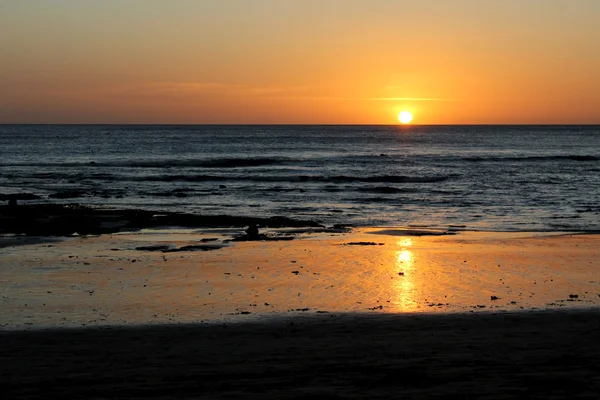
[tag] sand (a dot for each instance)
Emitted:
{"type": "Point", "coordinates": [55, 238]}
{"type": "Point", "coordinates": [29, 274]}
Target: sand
{"type": "Point", "coordinates": [375, 313]}
{"type": "Point", "coordinates": [107, 280]}
{"type": "Point", "coordinates": [550, 355]}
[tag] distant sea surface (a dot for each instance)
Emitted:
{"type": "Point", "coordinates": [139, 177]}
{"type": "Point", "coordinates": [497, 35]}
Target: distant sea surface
{"type": "Point", "coordinates": [499, 178]}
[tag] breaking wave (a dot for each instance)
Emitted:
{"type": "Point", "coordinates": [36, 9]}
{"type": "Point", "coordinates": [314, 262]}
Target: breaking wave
{"type": "Point", "coordinates": [534, 158]}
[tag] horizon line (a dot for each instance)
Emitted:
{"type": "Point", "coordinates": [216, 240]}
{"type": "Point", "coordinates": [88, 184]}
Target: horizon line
{"type": "Point", "coordinates": [287, 124]}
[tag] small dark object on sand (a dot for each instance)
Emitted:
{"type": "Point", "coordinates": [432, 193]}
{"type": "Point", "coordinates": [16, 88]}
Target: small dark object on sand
{"type": "Point", "coordinates": [494, 297]}
{"type": "Point", "coordinates": [573, 296]}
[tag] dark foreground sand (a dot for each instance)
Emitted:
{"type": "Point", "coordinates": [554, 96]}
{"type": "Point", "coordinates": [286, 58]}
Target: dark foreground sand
{"type": "Point", "coordinates": [552, 354]}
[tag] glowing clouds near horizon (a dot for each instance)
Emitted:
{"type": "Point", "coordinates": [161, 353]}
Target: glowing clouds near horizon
{"type": "Point", "coordinates": [405, 117]}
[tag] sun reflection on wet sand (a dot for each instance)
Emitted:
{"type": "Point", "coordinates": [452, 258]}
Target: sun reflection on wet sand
{"type": "Point", "coordinates": [405, 286]}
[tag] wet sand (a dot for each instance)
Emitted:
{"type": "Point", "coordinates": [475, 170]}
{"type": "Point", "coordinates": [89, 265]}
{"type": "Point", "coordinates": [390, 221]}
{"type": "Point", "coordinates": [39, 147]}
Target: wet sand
{"type": "Point", "coordinates": [198, 276]}
{"type": "Point", "coordinates": [550, 355]}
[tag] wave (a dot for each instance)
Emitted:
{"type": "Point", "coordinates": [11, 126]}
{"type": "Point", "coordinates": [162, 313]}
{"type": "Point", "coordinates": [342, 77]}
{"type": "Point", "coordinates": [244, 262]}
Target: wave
{"type": "Point", "coordinates": [67, 176]}
{"type": "Point", "coordinates": [227, 162]}
{"type": "Point", "coordinates": [369, 200]}
{"type": "Point", "coordinates": [279, 189]}
{"type": "Point", "coordinates": [230, 162]}
{"type": "Point", "coordinates": [390, 179]}
{"type": "Point", "coordinates": [385, 190]}
{"type": "Point", "coordinates": [297, 178]}
{"type": "Point", "coordinates": [534, 158]}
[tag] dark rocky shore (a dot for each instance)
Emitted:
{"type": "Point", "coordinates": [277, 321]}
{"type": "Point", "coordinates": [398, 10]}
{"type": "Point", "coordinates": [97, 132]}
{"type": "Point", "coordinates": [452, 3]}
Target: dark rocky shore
{"type": "Point", "coordinates": [67, 219]}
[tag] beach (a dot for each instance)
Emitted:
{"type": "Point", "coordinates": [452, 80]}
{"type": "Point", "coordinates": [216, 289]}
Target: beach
{"type": "Point", "coordinates": [550, 355]}
{"type": "Point", "coordinates": [379, 312]}
{"type": "Point", "coordinates": [299, 199]}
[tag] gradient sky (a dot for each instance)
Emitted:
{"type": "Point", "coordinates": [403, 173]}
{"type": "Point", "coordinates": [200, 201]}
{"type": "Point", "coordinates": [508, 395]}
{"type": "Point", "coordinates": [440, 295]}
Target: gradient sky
{"type": "Point", "coordinates": [299, 61]}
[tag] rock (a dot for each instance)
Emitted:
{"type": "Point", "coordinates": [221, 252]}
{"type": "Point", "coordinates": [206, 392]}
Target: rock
{"type": "Point", "coordinates": [19, 196]}
{"type": "Point", "coordinates": [201, 247]}
{"type": "Point", "coordinates": [494, 297]}
{"type": "Point", "coordinates": [342, 226]}
{"type": "Point", "coordinates": [153, 248]}
{"type": "Point", "coordinates": [252, 231]}
{"type": "Point", "coordinates": [363, 244]}
{"type": "Point", "coordinates": [13, 197]}
{"type": "Point", "coordinates": [67, 194]}
{"type": "Point", "coordinates": [64, 219]}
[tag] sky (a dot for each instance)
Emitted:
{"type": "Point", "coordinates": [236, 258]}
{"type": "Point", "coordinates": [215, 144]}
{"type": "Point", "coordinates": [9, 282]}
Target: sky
{"type": "Point", "coordinates": [300, 61]}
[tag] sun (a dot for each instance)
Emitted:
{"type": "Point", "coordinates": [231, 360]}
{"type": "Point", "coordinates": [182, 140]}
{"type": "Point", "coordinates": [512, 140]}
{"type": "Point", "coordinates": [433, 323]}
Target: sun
{"type": "Point", "coordinates": [405, 117]}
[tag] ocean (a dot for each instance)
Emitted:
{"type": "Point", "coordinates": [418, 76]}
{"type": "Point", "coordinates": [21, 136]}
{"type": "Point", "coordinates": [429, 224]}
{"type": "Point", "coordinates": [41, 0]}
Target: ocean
{"type": "Point", "coordinates": [490, 178]}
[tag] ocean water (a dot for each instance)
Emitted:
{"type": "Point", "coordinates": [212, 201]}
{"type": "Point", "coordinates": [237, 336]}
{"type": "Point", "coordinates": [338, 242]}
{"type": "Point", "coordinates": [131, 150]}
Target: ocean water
{"type": "Point", "coordinates": [497, 178]}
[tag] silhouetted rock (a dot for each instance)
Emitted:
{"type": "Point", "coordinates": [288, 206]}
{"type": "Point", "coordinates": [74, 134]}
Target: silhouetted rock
{"type": "Point", "coordinates": [363, 244]}
{"type": "Point", "coordinates": [252, 231]}
{"type": "Point", "coordinates": [64, 220]}
{"type": "Point", "coordinates": [14, 197]}
{"type": "Point", "coordinates": [67, 194]}
{"type": "Point", "coordinates": [153, 248]}
{"type": "Point", "coordinates": [196, 247]}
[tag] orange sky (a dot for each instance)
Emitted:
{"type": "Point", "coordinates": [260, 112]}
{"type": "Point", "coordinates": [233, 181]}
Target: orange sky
{"type": "Point", "coordinates": [300, 61]}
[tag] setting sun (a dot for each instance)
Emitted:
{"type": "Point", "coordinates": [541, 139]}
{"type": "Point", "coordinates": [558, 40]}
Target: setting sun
{"type": "Point", "coordinates": [405, 117]}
